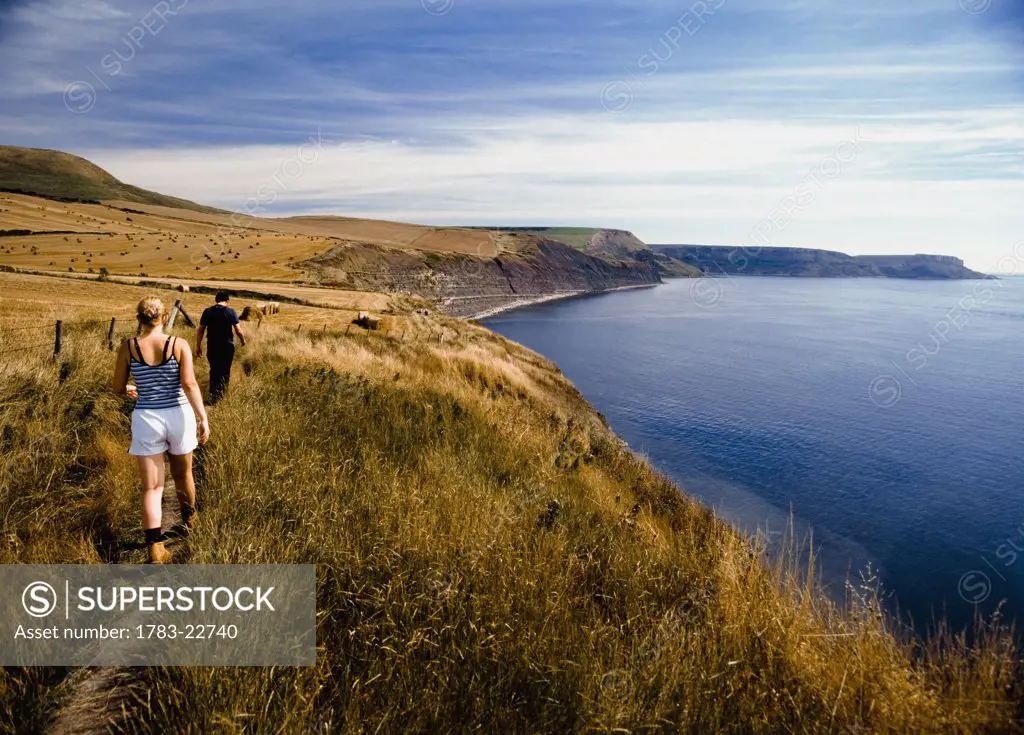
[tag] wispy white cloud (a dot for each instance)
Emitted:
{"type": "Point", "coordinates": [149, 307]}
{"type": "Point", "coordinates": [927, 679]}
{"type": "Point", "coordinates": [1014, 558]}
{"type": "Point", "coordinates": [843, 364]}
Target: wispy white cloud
{"type": "Point", "coordinates": [492, 112]}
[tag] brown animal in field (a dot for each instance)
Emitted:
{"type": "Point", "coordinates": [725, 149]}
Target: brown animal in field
{"type": "Point", "coordinates": [251, 313]}
{"type": "Point", "coordinates": [366, 321]}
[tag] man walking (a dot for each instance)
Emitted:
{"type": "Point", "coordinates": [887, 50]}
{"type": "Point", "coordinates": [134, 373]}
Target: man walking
{"type": "Point", "coordinates": [221, 321]}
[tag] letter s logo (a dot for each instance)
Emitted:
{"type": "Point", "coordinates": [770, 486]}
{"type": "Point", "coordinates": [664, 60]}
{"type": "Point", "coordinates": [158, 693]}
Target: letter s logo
{"type": "Point", "coordinates": [39, 599]}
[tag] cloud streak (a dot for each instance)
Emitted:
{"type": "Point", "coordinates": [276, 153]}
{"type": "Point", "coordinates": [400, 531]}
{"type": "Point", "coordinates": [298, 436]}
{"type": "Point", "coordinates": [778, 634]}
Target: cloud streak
{"type": "Point", "coordinates": [492, 112]}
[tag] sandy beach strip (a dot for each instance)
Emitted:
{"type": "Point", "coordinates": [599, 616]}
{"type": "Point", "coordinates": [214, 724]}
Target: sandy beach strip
{"type": "Point", "coordinates": [557, 296]}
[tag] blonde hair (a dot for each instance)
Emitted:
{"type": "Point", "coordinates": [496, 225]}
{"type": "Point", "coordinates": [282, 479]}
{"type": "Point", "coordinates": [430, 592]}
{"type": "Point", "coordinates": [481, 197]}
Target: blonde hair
{"type": "Point", "coordinates": [151, 311]}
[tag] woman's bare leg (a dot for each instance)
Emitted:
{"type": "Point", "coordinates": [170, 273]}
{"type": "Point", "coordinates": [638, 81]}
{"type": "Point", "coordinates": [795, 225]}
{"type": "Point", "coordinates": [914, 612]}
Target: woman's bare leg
{"type": "Point", "coordinates": [184, 485]}
{"type": "Point", "coordinates": [151, 470]}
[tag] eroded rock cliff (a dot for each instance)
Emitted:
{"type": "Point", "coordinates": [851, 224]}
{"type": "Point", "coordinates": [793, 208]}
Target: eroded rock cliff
{"type": "Point", "coordinates": [465, 285]}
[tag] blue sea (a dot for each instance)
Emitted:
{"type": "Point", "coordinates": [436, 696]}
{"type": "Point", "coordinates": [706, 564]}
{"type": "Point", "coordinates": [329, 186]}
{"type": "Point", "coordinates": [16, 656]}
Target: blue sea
{"type": "Point", "coordinates": [884, 416]}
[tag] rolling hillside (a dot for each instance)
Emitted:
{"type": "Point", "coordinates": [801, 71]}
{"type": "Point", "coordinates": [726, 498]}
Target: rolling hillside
{"type": "Point", "coordinates": [78, 219]}
{"type": "Point", "coordinates": [62, 176]}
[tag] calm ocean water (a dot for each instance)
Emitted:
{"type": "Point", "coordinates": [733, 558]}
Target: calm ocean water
{"type": "Point", "coordinates": [887, 416]}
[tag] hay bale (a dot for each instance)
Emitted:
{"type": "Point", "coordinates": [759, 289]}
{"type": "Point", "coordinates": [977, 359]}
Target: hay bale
{"type": "Point", "coordinates": [182, 288]}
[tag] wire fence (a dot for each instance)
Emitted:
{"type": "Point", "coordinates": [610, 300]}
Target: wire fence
{"type": "Point", "coordinates": [60, 329]}
{"type": "Point", "coordinates": [35, 327]}
{"type": "Point", "coordinates": [24, 348]}
{"type": "Point", "coordinates": [59, 334]}
{"type": "Point", "coordinates": [36, 333]}
{"type": "Point", "coordinates": [56, 332]}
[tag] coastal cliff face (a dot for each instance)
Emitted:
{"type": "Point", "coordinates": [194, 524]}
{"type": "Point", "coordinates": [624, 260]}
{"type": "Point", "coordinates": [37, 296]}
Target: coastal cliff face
{"type": "Point", "coordinates": [616, 245]}
{"type": "Point", "coordinates": [919, 266]}
{"type": "Point", "coordinates": [753, 261]}
{"type": "Point", "coordinates": [466, 285]}
{"type": "Point", "coordinates": [625, 245]}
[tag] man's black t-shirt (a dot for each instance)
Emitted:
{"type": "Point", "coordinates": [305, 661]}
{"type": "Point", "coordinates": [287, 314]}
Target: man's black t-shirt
{"type": "Point", "coordinates": [219, 322]}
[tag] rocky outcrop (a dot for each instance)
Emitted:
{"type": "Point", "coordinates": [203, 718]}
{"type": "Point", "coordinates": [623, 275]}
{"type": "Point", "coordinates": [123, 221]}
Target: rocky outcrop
{"type": "Point", "coordinates": [465, 285]}
{"type": "Point", "coordinates": [609, 244]}
{"type": "Point", "coordinates": [753, 261]}
{"type": "Point", "coordinates": [624, 245]}
{"type": "Point", "coordinates": [615, 244]}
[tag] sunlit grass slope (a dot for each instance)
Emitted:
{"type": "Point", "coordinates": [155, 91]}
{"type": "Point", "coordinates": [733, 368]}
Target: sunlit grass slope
{"type": "Point", "coordinates": [491, 558]}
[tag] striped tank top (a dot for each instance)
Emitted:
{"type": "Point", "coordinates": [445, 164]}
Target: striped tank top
{"type": "Point", "coordinates": [159, 385]}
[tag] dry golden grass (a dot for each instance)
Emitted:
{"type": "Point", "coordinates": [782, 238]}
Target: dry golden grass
{"type": "Point", "coordinates": [491, 558]}
{"type": "Point", "coordinates": [179, 243]}
{"type": "Point", "coordinates": [379, 232]}
{"type": "Point", "coordinates": [37, 301]}
{"type": "Point", "coordinates": [329, 298]}
{"type": "Point", "coordinates": [21, 212]}
{"type": "Point", "coordinates": [133, 244]}
{"type": "Point", "coordinates": [30, 305]}
{"type": "Point", "coordinates": [405, 236]}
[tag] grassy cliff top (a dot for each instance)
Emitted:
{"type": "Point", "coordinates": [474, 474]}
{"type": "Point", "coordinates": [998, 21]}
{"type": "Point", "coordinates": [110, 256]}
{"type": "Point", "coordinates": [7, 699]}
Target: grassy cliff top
{"type": "Point", "coordinates": [63, 176]}
{"type": "Point", "coordinates": [589, 239]}
{"type": "Point", "coordinates": [490, 556]}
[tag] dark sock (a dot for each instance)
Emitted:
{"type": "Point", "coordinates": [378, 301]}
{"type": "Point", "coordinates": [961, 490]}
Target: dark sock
{"type": "Point", "coordinates": [154, 535]}
{"type": "Point", "coordinates": [187, 511]}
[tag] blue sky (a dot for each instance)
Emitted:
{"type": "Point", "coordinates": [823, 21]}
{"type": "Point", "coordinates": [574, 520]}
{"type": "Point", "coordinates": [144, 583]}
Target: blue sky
{"type": "Point", "coordinates": [869, 127]}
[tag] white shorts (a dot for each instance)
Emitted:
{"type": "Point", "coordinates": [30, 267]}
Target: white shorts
{"type": "Point", "coordinates": [156, 431]}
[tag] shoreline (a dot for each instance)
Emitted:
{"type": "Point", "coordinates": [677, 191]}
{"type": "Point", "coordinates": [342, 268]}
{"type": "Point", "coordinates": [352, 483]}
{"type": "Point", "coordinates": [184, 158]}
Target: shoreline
{"type": "Point", "coordinates": [545, 298]}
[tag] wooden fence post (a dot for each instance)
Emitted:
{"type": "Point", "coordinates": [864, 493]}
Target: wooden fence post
{"type": "Point", "coordinates": [174, 314]}
{"type": "Point", "coordinates": [110, 333]}
{"type": "Point", "coordinates": [57, 341]}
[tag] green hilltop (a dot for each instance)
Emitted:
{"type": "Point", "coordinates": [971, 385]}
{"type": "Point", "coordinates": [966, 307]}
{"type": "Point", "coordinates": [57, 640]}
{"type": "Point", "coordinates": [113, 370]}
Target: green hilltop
{"type": "Point", "coordinates": [66, 177]}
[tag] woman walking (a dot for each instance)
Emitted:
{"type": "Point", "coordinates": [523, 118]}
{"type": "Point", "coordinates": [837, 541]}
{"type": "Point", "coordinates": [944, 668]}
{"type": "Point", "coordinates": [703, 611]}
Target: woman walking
{"type": "Point", "coordinates": [168, 404]}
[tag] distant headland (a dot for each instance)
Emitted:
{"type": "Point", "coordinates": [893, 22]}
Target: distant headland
{"type": "Point", "coordinates": [807, 262]}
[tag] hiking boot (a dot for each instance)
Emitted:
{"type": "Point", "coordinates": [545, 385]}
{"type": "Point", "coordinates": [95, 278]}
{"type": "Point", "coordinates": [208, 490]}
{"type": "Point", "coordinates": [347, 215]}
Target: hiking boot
{"type": "Point", "coordinates": [158, 554]}
{"type": "Point", "coordinates": [185, 528]}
